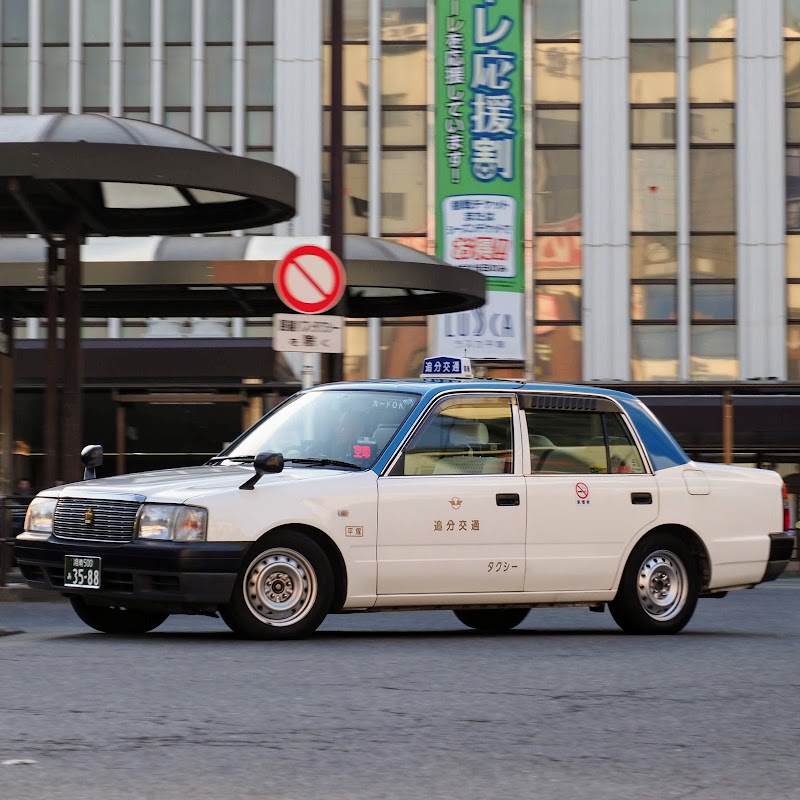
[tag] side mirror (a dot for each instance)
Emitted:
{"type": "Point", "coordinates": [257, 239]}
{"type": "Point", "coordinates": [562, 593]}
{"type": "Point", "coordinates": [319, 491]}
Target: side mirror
{"type": "Point", "coordinates": [91, 457]}
{"type": "Point", "coordinates": [264, 464]}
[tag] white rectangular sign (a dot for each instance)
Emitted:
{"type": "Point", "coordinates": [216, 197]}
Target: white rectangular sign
{"type": "Point", "coordinates": [480, 233]}
{"type": "Point", "coordinates": [307, 333]}
{"type": "Point", "coordinates": [493, 331]}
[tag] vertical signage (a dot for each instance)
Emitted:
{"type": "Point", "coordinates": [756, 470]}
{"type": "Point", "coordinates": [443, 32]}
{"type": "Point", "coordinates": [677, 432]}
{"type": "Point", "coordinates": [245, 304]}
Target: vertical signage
{"type": "Point", "coordinates": [479, 170]}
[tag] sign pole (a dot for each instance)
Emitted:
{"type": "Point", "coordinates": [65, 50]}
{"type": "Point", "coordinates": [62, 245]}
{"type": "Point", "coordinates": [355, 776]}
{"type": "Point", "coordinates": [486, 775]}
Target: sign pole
{"type": "Point", "coordinates": [333, 363]}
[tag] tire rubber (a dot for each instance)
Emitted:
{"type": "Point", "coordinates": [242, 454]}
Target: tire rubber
{"type": "Point", "coordinates": [627, 609]}
{"type": "Point", "coordinates": [237, 614]}
{"type": "Point", "coordinates": [492, 620]}
{"type": "Point", "coordinates": [110, 619]}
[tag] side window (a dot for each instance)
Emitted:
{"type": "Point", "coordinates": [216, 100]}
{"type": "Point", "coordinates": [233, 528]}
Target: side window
{"type": "Point", "coordinates": [625, 458]}
{"type": "Point", "coordinates": [463, 437]}
{"type": "Point", "coordinates": [566, 442]}
{"type": "Point", "coordinates": [574, 443]}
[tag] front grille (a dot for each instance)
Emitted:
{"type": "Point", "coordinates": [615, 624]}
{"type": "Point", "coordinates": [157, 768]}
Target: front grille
{"type": "Point", "coordinates": [95, 520]}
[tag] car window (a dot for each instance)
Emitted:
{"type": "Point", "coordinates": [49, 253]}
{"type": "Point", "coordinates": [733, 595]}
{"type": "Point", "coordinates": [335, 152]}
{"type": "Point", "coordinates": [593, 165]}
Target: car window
{"type": "Point", "coordinates": [625, 457]}
{"type": "Point", "coordinates": [574, 443]}
{"type": "Point", "coordinates": [348, 425]}
{"type": "Point", "coordinates": [463, 437]}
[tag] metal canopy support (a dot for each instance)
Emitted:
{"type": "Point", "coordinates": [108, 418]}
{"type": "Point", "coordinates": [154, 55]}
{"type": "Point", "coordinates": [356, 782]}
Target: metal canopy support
{"type": "Point", "coordinates": [727, 427]}
{"type": "Point", "coordinates": [6, 408]}
{"type": "Point", "coordinates": [52, 465]}
{"type": "Point", "coordinates": [73, 357]}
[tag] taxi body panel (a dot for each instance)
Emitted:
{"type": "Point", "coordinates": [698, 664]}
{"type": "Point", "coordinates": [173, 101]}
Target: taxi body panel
{"type": "Point", "coordinates": [478, 493]}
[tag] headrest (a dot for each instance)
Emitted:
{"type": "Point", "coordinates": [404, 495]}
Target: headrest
{"type": "Point", "coordinates": [537, 440]}
{"type": "Point", "coordinates": [468, 433]}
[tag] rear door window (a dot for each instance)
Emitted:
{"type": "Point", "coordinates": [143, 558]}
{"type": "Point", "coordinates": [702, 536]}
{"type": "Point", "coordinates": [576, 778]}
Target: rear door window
{"type": "Point", "coordinates": [580, 443]}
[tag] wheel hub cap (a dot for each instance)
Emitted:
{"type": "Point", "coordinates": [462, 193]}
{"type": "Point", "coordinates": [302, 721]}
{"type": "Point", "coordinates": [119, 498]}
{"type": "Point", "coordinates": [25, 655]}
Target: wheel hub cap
{"type": "Point", "coordinates": [280, 587]}
{"type": "Point", "coordinates": [662, 585]}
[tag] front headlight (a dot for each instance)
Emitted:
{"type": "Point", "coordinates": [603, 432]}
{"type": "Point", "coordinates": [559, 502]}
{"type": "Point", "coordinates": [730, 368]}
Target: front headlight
{"type": "Point", "coordinates": [39, 516]}
{"type": "Point", "coordinates": [176, 523]}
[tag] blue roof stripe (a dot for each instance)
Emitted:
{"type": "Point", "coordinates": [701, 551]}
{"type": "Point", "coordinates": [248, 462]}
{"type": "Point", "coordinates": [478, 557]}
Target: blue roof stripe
{"type": "Point", "coordinates": [661, 446]}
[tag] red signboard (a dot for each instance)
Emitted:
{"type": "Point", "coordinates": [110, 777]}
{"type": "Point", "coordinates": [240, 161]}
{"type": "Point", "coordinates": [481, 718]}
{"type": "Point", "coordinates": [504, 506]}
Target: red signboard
{"type": "Point", "coordinates": [310, 279]}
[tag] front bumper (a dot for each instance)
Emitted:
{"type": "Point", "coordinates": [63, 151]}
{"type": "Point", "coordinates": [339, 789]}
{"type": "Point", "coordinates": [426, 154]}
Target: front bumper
{"type": "Point", "coordinates": [170, 576]}
{"type": "Point", "coordinates": [781, 546]}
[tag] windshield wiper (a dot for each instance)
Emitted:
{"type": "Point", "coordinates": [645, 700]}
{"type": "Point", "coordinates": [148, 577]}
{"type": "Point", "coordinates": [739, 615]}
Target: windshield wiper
{"type": "Point", "coordinates": [322, 462]}
{"type": "Point", "coordinates": [243, 459]}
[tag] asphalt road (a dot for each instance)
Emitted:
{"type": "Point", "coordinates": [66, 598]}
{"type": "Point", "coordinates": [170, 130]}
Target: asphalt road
{"type": "Point", "coordinates": [407, 705]}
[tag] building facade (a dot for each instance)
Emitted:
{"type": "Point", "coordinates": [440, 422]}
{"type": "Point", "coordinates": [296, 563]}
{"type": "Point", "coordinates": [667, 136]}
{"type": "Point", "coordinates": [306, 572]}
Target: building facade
{"type": "Point", "coordinates": [662, 152]}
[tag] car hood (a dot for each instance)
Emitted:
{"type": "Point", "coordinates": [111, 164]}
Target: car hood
{"type": "Point", "coordinates": [180, 485]}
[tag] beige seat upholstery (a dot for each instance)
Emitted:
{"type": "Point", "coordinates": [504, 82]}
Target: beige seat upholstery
{"type": "Point", "coordinates": [466, 439]}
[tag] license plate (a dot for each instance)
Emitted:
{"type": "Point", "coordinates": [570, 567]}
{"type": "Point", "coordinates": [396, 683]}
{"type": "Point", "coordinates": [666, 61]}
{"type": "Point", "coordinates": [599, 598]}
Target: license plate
{"type": "Point", "coordinates": [82, 572]}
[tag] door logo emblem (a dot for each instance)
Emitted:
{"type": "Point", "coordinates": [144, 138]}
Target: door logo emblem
{"type": "Point", "coordinates": [88, 517]}
{"type": "Point", "coordinates": [455, 502]}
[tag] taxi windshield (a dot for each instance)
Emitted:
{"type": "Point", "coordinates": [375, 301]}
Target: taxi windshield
{"type": "Point", "coordinates": [334, 427]}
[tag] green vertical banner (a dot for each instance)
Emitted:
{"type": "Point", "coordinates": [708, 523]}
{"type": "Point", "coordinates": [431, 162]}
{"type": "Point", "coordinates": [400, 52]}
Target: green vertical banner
{"type": "Point", "coordinates": [479, 169]}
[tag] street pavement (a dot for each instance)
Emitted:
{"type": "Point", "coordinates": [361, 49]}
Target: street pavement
{"type": "Point", "coordinates": [405, 706]}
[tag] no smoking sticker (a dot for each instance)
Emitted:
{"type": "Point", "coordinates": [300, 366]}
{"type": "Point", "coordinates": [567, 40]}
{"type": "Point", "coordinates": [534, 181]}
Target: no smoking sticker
{"type": "Point", "coordinates": [582, 490]}
{"type": "Point", "coordinates": [310, 279]}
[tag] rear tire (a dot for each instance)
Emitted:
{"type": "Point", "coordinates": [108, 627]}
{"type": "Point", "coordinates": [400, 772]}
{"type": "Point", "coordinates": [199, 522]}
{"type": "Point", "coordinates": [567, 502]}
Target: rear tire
{"type": "Point", "coordinates": [492, 620]}
{"type": "Point", "coordinates": [111, 619]}
{"type": "Point", "coordinates": [659, 587]}
{"type": "Point", "coordinates": [284, 591]}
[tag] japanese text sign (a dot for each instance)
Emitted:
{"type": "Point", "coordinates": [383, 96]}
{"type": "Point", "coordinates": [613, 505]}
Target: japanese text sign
{"type": "Point", "coordinates": [480, 152]}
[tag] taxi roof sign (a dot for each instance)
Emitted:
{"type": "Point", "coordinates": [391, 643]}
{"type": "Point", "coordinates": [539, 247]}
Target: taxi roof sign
{"type": "Point", "coordinates": [446, 366]}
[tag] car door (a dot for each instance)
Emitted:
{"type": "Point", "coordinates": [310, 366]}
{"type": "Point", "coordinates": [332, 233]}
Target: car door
{"type": "Point", "coordinates": [451, 509]}
{"type": "Point", "coordinates": [590, 491]}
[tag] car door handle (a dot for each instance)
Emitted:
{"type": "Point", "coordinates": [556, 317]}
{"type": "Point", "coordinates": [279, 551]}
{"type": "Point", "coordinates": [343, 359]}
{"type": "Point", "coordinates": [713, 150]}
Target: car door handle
{"type": "Point", "coordinates": [507, 499]}
{"type": "Point", "coordinates": [641, 498]}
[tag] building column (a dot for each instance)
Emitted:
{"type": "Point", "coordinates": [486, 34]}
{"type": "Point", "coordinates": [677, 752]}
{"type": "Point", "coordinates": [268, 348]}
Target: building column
{"type": "Point", "coordinates": [605, 171]}
{"type": "Point", "coordinates": [298, 109]}
{"type": "Point", "coordinates": [760, 189]}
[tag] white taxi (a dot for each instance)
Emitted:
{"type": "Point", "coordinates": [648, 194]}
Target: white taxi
{"type": "Point", "coordinates": [481, 496]}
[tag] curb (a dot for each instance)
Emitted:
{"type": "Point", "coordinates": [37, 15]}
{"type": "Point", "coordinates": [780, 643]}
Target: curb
{"type": "Point", "coordinates": [21, 592]}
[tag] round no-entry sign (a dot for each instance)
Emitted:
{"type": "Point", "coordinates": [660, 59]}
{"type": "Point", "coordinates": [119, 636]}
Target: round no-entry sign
{"type": "Point", "coordinates": [310, 279]}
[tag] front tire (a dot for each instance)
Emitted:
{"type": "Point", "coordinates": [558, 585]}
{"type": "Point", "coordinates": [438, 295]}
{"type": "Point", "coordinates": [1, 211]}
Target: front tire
{"type": "Point", "coordinates": [492, 620]}
{"type": "Point", "coordinates": [109, 619]}
{"type": "Point", "coordinates": [659, 587]}
{"type": "Point", "coordinates": [283, 592]}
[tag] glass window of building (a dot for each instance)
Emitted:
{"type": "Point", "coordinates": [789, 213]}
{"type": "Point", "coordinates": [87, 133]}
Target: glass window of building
{"type": "Point", "coordinates": [219, 21]}
{"type": "Point", "coordinates": [96, 21]}
{"type": "Point", "coordinates": [178, 21]}
{"type": "Point", "coordinates": [403, 94]}
{"type": "Point", "coordinates": [653, 90]}
{"type": "Point", "coordinates": [15, 22]}
{"type": "Point", "coordinates": [55, 78]}
{"type": "Point", "coordinates": [712, 189]}
{"type": "Point", "coordinates": [136, 22]}
{"type": "Point", "coordinates": [55, 27]}
{"type": "Point", "coordinates": [791, 30]}
{"type": "Point", "coordinates": [260, 35]}
{"type": "Point", "coordinates": [558, 262]}
{"type": "Point", "coordinates": [355, 21]}
{"type": "Point", "coordinates": [136, 76]}
{"type": "Point", "coordinates": [260, 20]}
{"type": "Point", "coordinates": [96, 79]}
{"type": "Point", "coordinates": [14, 79]}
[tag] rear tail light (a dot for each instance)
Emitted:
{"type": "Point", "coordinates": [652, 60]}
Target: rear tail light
{"type": "Point", "coordinates": [786, 517]}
